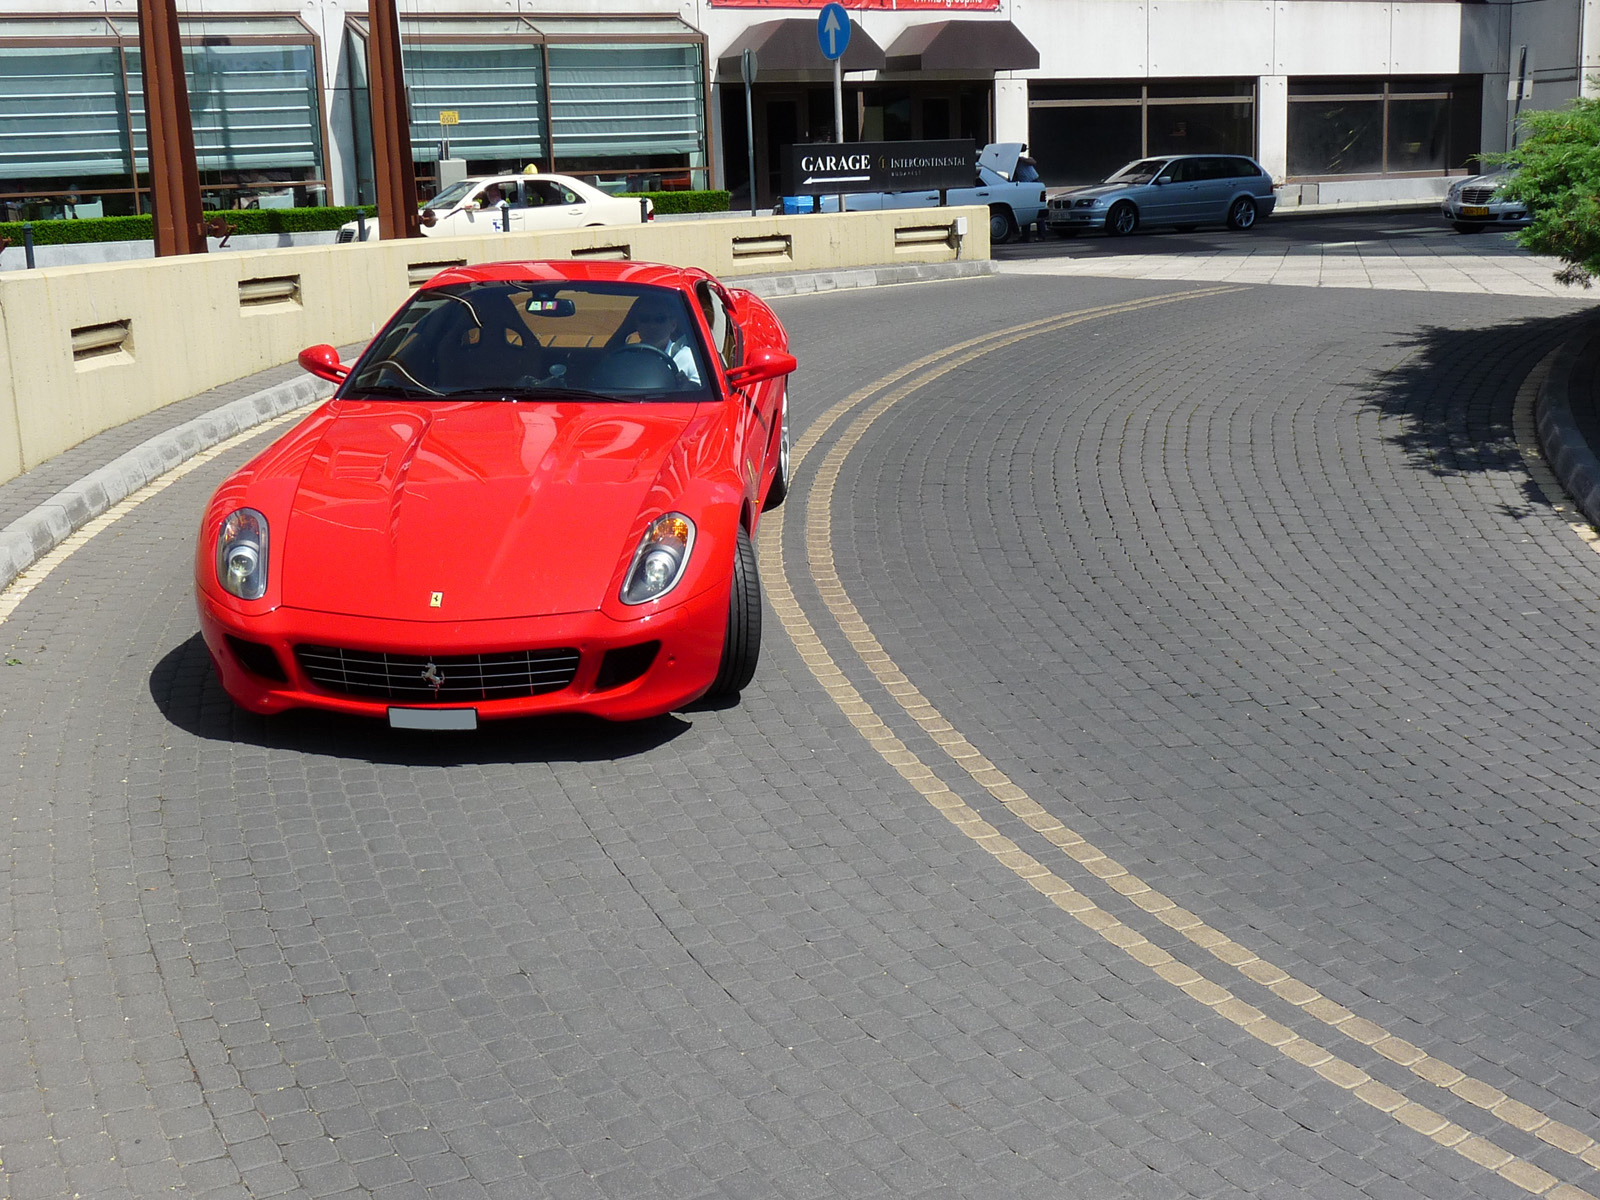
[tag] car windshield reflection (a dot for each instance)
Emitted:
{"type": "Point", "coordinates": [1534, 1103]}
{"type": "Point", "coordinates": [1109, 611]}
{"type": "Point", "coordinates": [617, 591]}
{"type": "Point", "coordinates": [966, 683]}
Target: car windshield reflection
{"type": "Point", "coordinates": [1138, 172]}
{"type": "Point", "coordinates": [537, 341]}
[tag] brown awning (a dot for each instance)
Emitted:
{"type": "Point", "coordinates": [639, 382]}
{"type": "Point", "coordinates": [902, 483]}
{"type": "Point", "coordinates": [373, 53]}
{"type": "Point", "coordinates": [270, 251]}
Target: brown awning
{"type": "Point", "coordinates": [962, 46]}
{"type": "Point", "coordinates": [791, 45]}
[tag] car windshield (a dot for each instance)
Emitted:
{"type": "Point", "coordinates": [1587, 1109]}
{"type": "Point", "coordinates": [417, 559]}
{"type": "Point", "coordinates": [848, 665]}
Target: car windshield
{"type": "Point", "coordinates": [1142, 171]}
{"type": "Point", "coordinates": [452, 195]}
{"type": "Point", "coordinates": [525, 340]}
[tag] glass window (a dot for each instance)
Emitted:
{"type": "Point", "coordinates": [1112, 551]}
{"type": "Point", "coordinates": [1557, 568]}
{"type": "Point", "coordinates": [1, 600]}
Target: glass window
{"type": "Point", "coordinates": [1201, 128]}
{"type": "Point", "coordinates": [62, 112]}
{"type": "Point", "coordinates": [496, 90]}
{"type": "Point", "coordinates": [1336, 137]}
{"type": "Point", "coordinates": [724, 330]}
{"type": "Point", "coordinates": [533, 340]}
{"type": "Point", "coordinates": [1083, 145]}
{"type": "Point", "coordinates": [1419, 134]}
{"type": "Point", "coordinates": [626, 101]}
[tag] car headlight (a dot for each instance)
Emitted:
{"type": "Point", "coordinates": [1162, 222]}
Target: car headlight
{"type": "Point", "coordinates": [660, 560]}
{"type": "Point", "coordinates": [242, 554]}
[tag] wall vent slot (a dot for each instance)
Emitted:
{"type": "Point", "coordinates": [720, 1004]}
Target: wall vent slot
{"type": "Point", "coordinates": [921, 236]}
{"type": "Point", "coordinates": [255, 293]}
{"type": "Point", "coordinates": [622, 253]}
{"type": "Point", "coordinates": [100, 341]}
{"type": "Point", "coordinates": [418, 274]}
{"type": "Point", "coordinates": [777, 247]}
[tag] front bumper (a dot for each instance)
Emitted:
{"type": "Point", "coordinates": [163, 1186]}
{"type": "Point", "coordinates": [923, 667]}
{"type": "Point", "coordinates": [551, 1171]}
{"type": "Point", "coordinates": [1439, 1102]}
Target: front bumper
{"type": "Point", "coordinates": [1076, 218]}
{"type": "Point", "coordinates": [690, 633]}
{"type": "Point", "coordinates": [1508, 216]}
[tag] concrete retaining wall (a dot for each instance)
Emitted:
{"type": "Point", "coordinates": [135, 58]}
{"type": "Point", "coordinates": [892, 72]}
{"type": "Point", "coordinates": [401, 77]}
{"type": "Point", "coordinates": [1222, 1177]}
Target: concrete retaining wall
{"type": "Point", "coordinates": [86, 348]}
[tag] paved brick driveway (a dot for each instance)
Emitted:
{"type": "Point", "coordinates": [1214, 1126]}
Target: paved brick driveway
{"type": "Point", "coordinates": [1251, 591]}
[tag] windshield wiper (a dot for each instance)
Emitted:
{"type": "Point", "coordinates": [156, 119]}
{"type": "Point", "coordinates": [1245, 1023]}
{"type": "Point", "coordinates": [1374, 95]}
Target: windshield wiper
{"type": "Point", "coordinates": [388, 391]}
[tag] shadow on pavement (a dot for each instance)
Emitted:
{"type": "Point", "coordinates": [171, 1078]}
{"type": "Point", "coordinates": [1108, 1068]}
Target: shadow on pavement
{"type": "Point", "coordinates": [185, 689]}
{"type": "Point", "coordinates": [1454, 394]}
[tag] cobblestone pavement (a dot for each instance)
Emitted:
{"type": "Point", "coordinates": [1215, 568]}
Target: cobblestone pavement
{"type": "Point", "coordinates": [1251, 590]}
{"type": "Point", "coordinates": [1403, 251]}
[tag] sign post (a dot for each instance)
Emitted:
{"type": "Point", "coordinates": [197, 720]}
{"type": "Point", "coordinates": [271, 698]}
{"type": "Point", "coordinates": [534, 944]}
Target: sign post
{"type": "Point", "coordinates": [747, 68]}
{"type": "Point", "coordinates": [447, 118]}
{"type": "Point", "coordinates": [833, 35]}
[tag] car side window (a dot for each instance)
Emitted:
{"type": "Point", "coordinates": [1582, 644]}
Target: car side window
{"type": "Point", "coordinates": [547, 191]}
{"type": "Point", "coordinates": [724, 330]}
{"type": "Point", "coordinates": [1243, 168]}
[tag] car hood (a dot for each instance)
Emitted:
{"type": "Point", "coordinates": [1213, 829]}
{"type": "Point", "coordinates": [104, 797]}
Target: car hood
{"type": "Point", "coordinates": [1098, 189]}
{"type": "Point", "coordinates": [502, 509]}
{"type": "Point", "coordinates": [1001, 158]}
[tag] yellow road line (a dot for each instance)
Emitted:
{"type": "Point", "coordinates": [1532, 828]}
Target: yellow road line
{"type": "Point", "coordinates": [39, 571]}
{"type": "Point", "coordinates": [819, 547]}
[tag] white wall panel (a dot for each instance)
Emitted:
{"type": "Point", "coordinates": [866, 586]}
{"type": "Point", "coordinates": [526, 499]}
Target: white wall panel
{"type": "Point", "coordinates": [1425, 39]}
{"type": "Point", "coordinates": [1331, 38]}
{"type": "Point", "coordinates": [1210, 37]}
{"type": "Point", "coordinates": [1094, 39]}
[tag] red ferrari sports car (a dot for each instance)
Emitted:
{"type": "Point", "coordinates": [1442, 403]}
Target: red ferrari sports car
{"type": "Point", "coordinates": [535, 492]}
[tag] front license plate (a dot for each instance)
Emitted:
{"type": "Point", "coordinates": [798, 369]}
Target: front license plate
{"type": "Point", "coordinates": [433, 718]}
{"type": "Point", "coordinates": [1474, 210]}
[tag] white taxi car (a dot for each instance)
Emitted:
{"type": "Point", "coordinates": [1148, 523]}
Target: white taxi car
{"type": "Point", "coordinates": [531, 203]}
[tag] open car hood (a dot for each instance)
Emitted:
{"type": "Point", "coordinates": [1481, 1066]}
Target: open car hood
{"type": "Point", "coordinates": [504, 509]}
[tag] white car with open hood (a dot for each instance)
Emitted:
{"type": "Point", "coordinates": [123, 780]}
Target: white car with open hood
{"type": "Point", "coordinates": [531, 203]}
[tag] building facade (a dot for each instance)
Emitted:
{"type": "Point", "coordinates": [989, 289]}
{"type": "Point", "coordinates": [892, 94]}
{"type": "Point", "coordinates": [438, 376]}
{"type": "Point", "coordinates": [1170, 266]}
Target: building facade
{"type": "Point", "coordinates": [1340, 99]}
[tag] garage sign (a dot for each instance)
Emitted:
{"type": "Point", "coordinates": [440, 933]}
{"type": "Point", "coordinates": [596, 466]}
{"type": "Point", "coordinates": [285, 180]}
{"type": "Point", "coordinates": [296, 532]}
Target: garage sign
{"type": "Point", "coordinates": [830, 169]}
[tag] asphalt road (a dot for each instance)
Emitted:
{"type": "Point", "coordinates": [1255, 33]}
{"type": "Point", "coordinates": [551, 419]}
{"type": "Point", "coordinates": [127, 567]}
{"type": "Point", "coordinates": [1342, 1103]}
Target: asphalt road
{"type": "Point", "coordinates": [1170, 773]}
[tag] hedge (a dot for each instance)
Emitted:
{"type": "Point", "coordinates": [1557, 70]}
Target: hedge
{"type": "Point", "coordinates": [65, 231]}
{"type": "Point", "coordinates": [686, 202]}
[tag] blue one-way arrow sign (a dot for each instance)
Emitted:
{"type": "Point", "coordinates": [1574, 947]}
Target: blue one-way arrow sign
{"type": "Point", "coordinates": [833, 30]}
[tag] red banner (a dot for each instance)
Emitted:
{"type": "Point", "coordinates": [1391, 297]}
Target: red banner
{"type": "Point", "coordinates": [871, 5]}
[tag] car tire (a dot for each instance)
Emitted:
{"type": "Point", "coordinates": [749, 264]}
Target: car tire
{"type": "Point", "coordinates": [1002, 225]}
{"type": "Point", "coordinates": [741, 645]}
{"type": "Point", "coordinates": [1242, 214]}
{"type": "Point", "coordinates": [780, 481]}
{"type": "Point", "coordinates": [1468, 227]}
{"type": "Point", "coordinates": [1123, 219]}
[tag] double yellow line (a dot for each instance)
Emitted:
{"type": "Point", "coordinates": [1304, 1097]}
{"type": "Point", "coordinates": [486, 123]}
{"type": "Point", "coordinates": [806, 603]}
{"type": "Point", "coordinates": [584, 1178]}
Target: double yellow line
{"type": "Point", "coordinates": [879, 398]}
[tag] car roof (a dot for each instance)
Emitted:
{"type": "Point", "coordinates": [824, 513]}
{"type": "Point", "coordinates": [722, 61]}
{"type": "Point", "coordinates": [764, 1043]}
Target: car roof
{"type": "Point", "coordinates": [565, 270]}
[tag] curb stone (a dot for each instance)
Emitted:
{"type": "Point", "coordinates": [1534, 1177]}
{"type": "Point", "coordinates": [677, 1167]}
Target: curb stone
{"type": "Point", "coordinates": [36, 533]}
{"type": "Point", "coordinates": [42, 529]}
{"type": "Point", "coordinates": [1561, 437]}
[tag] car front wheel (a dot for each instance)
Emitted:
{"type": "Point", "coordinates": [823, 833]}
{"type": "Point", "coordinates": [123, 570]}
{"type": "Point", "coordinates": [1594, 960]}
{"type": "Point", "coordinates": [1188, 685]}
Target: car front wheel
{"type": "Point", "coordinates": [1123, 219]}
{"type": "Point", "coordinates": [741, 646]}
{"type": "Point", "coordinates": [1242, 215]}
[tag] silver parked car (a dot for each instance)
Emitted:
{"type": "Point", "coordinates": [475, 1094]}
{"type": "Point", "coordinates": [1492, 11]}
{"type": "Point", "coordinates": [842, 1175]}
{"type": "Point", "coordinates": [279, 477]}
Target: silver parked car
{"type": "Point", "coordinates": [1182, 190]}
{"type": "Point", "coordinates": [1475, 204]}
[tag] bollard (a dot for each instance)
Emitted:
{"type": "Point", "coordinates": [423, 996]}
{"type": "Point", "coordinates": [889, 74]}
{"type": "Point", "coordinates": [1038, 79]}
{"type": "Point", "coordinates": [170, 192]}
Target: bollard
{"type": "Point", "coordinates": [361, 224]}
{"type": "Point", "coordinates": [27, 242]}
{"type": "Point", "coordinates": [644, 210]}
{"type": "Point", "coordinates": [505, 216]}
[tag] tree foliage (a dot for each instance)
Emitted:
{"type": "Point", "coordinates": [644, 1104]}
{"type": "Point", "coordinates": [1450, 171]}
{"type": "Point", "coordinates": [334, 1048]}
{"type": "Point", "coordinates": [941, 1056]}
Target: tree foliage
{"type": "Point", "coordinates": [1558, 178]}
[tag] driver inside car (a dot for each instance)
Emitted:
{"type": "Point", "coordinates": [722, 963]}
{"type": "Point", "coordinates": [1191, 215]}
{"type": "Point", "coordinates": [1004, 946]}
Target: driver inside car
{"type": "Point", "coordinates": [659, 324]}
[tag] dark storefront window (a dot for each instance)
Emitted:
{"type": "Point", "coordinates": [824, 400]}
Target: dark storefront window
{"type": "Point", "coordinates": [1081, 132]}
{"type": "Point", "coordinates": [1381, 127]}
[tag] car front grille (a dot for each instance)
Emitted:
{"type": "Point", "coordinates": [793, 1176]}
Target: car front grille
{"type": "Point", "coordinates": [347, 235]}
{"type": "Point", "coordinates": [443, 679]}
{"type": "Point", "coordinates": [1477, 195]}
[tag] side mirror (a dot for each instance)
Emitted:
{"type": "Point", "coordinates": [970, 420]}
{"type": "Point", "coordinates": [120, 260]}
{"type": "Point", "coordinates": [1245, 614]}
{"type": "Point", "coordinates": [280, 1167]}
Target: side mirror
{"type": "Point", "coordinates": [323, 362]}
{"type": "Point", "coordinates": [760, 366]}
{"type": "Point", "coordinates": [1161, 180]}
{"type": "Point", "coordinates": [429, 218]}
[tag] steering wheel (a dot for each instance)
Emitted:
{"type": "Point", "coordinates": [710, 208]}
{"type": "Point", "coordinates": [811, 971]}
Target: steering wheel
{"type": "Point", "coordinates": [644, 355]}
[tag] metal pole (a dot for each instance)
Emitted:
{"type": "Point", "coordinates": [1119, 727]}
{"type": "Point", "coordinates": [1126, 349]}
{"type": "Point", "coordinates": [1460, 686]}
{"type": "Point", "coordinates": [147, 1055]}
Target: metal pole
{"type": "Point", "coordinates": [27, 242]}
{"type": "Point", "coordinates": [396, 180]}
{"type": "Point", "coordinates": [838, 108]}
{"type": "Point", "coordinates": [174, 177]}
{"type": "Point", "coordinates": [750, 143]}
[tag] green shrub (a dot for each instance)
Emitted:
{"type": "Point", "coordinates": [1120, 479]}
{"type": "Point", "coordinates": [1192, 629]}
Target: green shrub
{"type": "Point", "coordinates": [1558, 178]}
{"type": "Point", "coordinates": [66, 232]}
{"type": "Point", "coordinates": [685, 202]}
